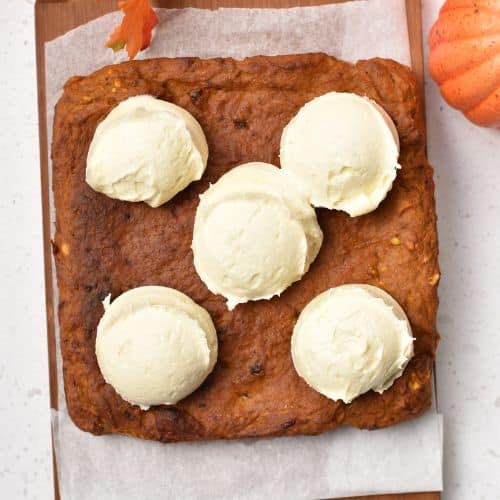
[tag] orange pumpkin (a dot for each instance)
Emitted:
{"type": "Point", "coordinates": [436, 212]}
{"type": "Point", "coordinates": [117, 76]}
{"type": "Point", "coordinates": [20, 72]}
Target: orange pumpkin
{"type": "Point", "coordinates": [464, 58]}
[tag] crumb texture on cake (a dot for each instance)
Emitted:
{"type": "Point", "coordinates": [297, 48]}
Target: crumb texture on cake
{"type": "Point", "coordinates": [104, 246]}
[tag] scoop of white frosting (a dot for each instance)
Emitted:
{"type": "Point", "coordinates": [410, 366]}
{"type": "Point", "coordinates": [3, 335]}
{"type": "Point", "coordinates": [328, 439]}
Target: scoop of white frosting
{"type": "Point", "coordinates": [254, 234]}
{"type": "Point", "coordinates": [146, 150]}
{"type": "Point", "coordinates": [155, 345]}
{"type": "Point", "coordinates": [343, 150]}
{"type": "Point", "coordinates": [351, 339]}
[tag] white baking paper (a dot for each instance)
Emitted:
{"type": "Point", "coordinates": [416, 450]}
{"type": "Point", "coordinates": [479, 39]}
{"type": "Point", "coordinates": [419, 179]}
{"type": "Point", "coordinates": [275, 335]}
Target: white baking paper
{"type": "Point", "coordinates": [346, 462]}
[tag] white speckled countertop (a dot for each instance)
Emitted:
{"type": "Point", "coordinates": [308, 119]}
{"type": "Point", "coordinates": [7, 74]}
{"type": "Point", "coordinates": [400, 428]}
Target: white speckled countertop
{"type": "Point", "coordinates": [467, 163]}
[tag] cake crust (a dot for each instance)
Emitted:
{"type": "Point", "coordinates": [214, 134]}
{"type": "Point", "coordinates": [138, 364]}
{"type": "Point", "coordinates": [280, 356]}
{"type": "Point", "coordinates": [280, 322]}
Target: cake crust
{"type": "Point", "coordinates": [104, 246]}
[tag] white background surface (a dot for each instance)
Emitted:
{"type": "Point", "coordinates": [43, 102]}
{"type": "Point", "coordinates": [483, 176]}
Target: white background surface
{"type": "Point", "coordinates": [467, 163]}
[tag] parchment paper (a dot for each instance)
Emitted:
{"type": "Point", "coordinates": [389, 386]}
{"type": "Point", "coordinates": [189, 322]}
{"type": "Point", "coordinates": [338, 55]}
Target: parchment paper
{"type": "Point", "coordinates": [346, 462]}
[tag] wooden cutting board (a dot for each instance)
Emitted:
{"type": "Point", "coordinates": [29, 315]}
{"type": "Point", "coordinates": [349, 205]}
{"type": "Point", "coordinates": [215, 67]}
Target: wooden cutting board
{"type": "Point", "coordinates": [54, 18]}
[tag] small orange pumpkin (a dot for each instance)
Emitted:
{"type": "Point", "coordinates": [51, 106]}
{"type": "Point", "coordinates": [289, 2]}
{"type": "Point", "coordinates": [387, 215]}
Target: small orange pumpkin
{"type": "Point", "coordinates": [464, 58]}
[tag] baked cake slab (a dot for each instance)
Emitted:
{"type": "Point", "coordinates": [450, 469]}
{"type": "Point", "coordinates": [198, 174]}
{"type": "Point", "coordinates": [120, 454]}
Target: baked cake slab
{"type": "Point", "coordinates": [104, 246]}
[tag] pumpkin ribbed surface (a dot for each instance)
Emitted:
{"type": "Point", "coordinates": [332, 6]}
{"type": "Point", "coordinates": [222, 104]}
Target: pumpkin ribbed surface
{"type": "Point", "coordinates": [464, 58]}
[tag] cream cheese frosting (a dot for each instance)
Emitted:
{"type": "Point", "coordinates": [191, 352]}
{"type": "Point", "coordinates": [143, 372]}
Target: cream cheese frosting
{"type": "Point", "coordinates": [351, 339]}
{"type": "Point", "coordinates": [254, 234]}
{"type": "Point", "coordinates": [343, 150]}
{"type": "Point", "coordinates": [146, 150]}
{"type": "Point", "coordinates": [155, 345]}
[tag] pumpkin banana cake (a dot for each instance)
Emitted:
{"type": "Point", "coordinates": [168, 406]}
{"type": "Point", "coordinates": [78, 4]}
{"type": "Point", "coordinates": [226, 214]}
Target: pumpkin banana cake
{"type": "Point", "coordinates": [106, 246]}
